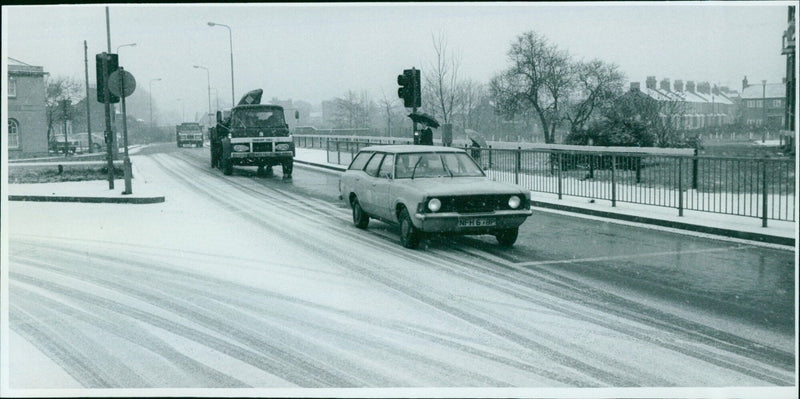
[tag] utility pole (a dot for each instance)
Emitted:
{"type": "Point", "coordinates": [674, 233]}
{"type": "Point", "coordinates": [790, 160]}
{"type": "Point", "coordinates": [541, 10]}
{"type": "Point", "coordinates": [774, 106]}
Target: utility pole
{"type": "Point", "coordinates": [88, 108]}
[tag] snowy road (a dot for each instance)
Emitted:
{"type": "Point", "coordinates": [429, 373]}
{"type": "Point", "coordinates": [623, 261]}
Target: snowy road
{"type": "Point", "coordinates": [250, 282]}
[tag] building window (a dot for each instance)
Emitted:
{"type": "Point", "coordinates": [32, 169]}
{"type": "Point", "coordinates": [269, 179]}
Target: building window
{"type": "Point", "coordinates": [13, 133]}
{"type": "Point", "coordinates": [777, 103]}
{"type": "Point", "coordinates": [12, 87]}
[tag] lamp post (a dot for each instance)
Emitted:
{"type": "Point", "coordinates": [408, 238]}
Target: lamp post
{"type": "Point", "coordinates": [230, 39]}
{"type": "Point", "coordinates": [150, 93]}
{"type": "Point", "coordinates": [125, 45]}
{"type": "Point", "coordinates": [208, 85]}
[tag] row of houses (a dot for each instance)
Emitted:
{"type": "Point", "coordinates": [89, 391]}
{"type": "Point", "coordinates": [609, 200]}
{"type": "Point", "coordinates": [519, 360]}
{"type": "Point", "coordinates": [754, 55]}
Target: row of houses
{"type": "Point", "coordinates": [701, 105]}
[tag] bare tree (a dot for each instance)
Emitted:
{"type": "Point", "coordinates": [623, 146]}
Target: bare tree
{"type": "Point", "coordinates": [539, 78]}
{"type": "Point", "coordinates": [470, 94]}
{"type": "Point", "coordinates": [441, 84]}
{"type": "Point", "coordinates": [390, 107]}
{"type": "Point", "coordinates": [596, 84]}
{"type": "Point", "coordinates": [58, 89]}
{"type": "Point", "coordinates": [353, 110]}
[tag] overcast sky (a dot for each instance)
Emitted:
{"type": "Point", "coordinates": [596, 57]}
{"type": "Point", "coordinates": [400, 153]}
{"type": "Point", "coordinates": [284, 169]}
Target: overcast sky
{"type": "Point", "coordinates": [315, 52]}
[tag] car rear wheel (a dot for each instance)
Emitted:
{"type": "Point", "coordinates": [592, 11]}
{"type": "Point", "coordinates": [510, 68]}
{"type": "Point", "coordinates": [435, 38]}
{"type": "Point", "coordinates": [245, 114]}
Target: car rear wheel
{"type": "Point", "coordinates": [360, 219]}
{"type": "Point", "coordinates": [507, 237]}
{"type": "Point", "coordinates": [409, 235]}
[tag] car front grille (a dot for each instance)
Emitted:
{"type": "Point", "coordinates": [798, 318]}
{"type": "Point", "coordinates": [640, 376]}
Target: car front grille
{"type": "Point", "coordinates": [475, 203]}
{"type": "Point", "coordinates": [262, 147]}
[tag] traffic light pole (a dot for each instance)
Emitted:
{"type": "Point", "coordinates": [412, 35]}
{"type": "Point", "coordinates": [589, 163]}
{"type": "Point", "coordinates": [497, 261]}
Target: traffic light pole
{"type": "Point", "coordinates": [126, 160]}
{"type": "Point", "coordinates": [108, 133]}
{"type": "Point", "coordinates": [413, 91]}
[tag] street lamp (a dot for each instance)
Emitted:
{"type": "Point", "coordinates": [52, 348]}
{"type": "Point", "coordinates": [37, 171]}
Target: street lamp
{"type": "Point", "coordinates": [208, 85]}
{"type": "Point", "coordinates": [125, 45]}
{"type": "Point", "coordinates": [150, 93]}
{"type": "Point", "coordinates": [230, 39]}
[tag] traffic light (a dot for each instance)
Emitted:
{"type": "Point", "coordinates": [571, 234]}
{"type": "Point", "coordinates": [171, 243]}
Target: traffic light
{"type": "Point", "coordinates": [409, 89]}
{"type": "Point", "coordinates": [112, 64]}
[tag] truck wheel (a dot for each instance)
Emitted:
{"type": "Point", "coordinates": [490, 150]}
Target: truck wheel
{"type": "Point", "coordinates": [409, 235]}
{"type": "Point", "coordinates": [227, 167]}
{"type": "Point", "coordinates": [287, 167]}
{"type": "Point", "coordinates": [507, 237]}
{"type": "Point", "coordinates": [360, 219]}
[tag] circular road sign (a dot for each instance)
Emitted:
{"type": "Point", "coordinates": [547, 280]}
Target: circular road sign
{"type": "Point", "coordinates": [115, 81]}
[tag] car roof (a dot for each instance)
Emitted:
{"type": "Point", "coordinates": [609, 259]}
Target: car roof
{"type": "Point", "coordinates": [409, 148]}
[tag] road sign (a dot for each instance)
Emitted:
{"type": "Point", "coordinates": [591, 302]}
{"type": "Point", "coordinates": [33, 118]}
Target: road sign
{"type": "Point", "coordinates": [115, 81]}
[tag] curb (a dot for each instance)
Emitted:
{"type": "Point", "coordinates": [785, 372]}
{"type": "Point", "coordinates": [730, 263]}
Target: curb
{"type": "Point", "coordinates": [335, 168]}
{"type": "Point", "coordinates": [95, 200]}
{"type": "Point", "coordinates": [766, 238]}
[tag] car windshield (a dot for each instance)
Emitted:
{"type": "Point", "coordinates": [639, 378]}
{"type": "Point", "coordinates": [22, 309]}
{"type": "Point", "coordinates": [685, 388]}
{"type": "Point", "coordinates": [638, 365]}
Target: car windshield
{"type": "Point", "coordinates": [431, 164]}
{"type": "Point", "coordinates": [255, 118]}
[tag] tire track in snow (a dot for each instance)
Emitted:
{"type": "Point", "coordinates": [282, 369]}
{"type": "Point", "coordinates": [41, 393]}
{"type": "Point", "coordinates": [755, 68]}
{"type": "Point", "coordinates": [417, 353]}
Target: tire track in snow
{"type": "Point", "coordinates": [618, 379]}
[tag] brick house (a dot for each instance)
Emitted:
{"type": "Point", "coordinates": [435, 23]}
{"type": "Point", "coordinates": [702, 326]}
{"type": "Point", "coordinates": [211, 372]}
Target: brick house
{"type": "Point", "coordinates": [27, 116]}
{"type": "Point", "coordinates": [764, 104]}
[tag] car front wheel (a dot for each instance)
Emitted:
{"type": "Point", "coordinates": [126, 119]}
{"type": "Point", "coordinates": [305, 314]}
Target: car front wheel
{"type": "Point", "coordinates": [360, 219]}
{"type": "Point", "coordinates": [507, 237]}
{"type": "Point", "coordinates": [409, 235]}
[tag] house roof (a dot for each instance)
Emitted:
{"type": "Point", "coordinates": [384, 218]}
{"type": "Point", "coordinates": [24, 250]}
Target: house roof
{"type": "Point", "coordinates": [17, 67]}
{"type": "Point", "coordinates": [771, 90]}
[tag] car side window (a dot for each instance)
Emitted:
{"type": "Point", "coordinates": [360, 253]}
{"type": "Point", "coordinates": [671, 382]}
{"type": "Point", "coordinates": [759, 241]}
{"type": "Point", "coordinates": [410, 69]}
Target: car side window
{"type": "Point", "coordinates": [373, 165]}
{"type": "Point", "coordinates": [360, 160]}
{"type": "Point", "coordinates": [387, 167]}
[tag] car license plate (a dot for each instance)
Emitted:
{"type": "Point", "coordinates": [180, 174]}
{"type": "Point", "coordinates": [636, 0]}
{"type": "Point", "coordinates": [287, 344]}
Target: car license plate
{"type": "Point", "coordinates": [476, 222]}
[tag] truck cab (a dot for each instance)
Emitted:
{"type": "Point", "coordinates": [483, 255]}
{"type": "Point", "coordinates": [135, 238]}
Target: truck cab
{"type": "Point", "coordinates": [252, 134]}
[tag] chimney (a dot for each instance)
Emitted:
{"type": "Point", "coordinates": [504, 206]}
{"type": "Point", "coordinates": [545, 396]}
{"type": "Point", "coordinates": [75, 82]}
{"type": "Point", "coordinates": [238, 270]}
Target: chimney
{"type": "Point", "coordinates": [665, 84]}
{"type": "Point", "coordinates": [635, 86]}
{"type": "Point", "coordinates": [651, 82]}
{"type": "Point", "coordinates": [679, 85]}
{"type": "Point", "coordinates": [704, 88]}
{"type": "Point", "coordinates": [690, 86]}
{"type": "Point", "coordinates": [744, 83]}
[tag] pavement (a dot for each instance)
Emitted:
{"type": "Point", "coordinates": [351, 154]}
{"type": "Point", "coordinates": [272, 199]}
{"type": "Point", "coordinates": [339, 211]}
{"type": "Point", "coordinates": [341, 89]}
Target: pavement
{"type": "Point", "coordinates": [738, 227]}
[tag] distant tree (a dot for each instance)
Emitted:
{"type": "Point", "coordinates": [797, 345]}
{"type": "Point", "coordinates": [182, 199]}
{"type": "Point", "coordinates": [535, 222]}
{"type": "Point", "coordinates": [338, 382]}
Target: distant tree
{"type": "Point", "coordinates": [441, 83]}
{"type": "Point", "coordinates": [596, 84]}
{"type": "Point", "coordinates": [393, 114]}
{"type": "Point", "coordinates": [353, 111]}
{"type": "Point", "coordinates": [539, 79]}
{"type": "Point", "coordinates": [471, 94]}
{"type": "Point", "coordinates": [58, 89]}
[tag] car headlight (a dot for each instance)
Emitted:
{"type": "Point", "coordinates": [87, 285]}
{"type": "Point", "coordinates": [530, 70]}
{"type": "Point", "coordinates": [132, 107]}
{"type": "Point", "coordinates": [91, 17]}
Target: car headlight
{"type": "Point", "coordinates": [241, 148]}
{"type": "Point", "coordinates": [514, 202]}
{"type": "Point", "coordinates": [283, 147]}
{"type": "Point", "coordinates": [434, 205]}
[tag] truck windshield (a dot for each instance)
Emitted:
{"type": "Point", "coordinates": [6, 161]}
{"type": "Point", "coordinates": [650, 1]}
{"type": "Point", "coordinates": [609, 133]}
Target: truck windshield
{"type": "Point", "coordinates": [255, 118]}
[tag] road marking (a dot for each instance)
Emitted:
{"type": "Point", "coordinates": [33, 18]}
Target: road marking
{"type": "Point", "coordinates": [630, 256]}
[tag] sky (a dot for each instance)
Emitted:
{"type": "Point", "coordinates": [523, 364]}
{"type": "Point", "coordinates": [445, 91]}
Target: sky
{"type": "Point", "coordinates": [315, 52]}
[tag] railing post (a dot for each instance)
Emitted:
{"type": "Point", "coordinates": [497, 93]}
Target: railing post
{"type": "Point", "coordinates": [558, 159]}
{"type": "Point", "coordinates": [613, 181]}
{"type": "Point", "coordinates": [518, 165]}
{"type": "Point", "coordinates": [680, 187]}
{"type": "Point", "coordinates": [764, 194]}
{"type": "Point", "coordinates": [338, 153]}
{"type": "Point", "coordinates": [490, 157]}
{"type": "Point", "coordinates": [694, 170]}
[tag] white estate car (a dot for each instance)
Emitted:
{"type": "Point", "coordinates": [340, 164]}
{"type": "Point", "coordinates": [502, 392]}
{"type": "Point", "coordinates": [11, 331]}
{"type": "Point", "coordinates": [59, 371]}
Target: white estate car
{"type": "Point", "coordinates": [431, 189]}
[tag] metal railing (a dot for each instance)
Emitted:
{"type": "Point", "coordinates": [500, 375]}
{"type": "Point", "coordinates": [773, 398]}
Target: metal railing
{"type": "Point", "coordinates": [762, 188]}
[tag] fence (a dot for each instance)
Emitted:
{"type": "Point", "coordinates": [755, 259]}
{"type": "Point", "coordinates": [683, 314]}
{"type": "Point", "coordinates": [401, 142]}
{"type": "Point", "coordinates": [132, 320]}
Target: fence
{"type": "Point", "coordinates": [763, 188]}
